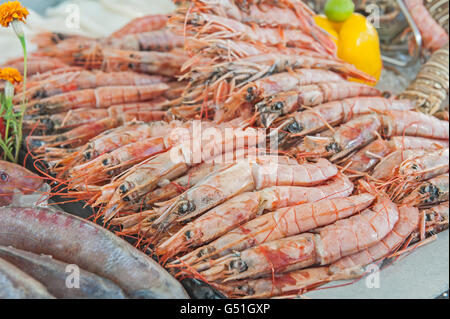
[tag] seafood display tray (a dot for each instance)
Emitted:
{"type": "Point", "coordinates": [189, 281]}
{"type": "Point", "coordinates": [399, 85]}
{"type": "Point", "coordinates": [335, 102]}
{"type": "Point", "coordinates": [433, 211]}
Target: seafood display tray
{"type": "Point", "coordinates": [421, 274]}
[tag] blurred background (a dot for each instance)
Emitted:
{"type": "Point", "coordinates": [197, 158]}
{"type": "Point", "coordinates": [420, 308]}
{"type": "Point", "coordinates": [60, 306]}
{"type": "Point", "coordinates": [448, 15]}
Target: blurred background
{"type": "Point", "coordinates": [95, 18]}
{"type": "Point", "coordinates": [38, 5]}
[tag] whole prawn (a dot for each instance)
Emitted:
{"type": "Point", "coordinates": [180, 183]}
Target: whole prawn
{"type": "Point", "coordinates": [161, 40]}
{"type": "Point", "coordinates": [293, 16]}
{"type": "Point", "coordinates": [312, 95]}
{"type": "Point", "coordinates": [239, 178]}
{"type": "Point", "coordinates": [369, 156]}
{"type": "Point", "coordinates": [361, 131]}
{"type": "Point", "coordinates": [194, 175]}
{"type": "Point", "coordinates": [326, 115]}
{"type": "Point", "coordinates": [111, 164]}
{"type": "Point", "coordinates": [143, 24]}
{"type": "Point", "coordinates": [73, 138]}
{"type": "Point", "coordinates": [74, 81]}
{"type": "Point", "coordinates": [207, 25]}
{"type": "Point", "coordinates": [346, 268]}
{"type": "Point", "coordinates": [300, 124]}
{"type": "Point", "coordinates": [61, 122]}
{"type": "Point", "coordinates": [343, 238]}
{"type": "Point", "coordinates": [169, 165]}
{"type": "Point", "coordinates": [253, 68]}
{"type": "Point", "coordinates": [281, 223]}
{"type": "Point", "coordinates": [111, 140]}
{"type": "Point", "coordinates": [101, 97]}
{"type": "Point", "coordinates": [114, 60]}
{"type": "Point", "coordinates": [242, 208]}
{"type": "Point", "coordinates": [36, 65]}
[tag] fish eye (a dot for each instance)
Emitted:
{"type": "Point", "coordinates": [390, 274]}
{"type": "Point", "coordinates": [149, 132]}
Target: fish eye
{"type": "Point", "coordinates": [239, 265]}
{"type": "Point", "coordinates": [4, 177]}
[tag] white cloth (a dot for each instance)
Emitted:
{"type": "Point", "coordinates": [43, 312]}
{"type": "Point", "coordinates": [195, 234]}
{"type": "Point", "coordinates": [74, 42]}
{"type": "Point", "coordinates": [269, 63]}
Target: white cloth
{"type": "Point", "coordinates": [96, 18]}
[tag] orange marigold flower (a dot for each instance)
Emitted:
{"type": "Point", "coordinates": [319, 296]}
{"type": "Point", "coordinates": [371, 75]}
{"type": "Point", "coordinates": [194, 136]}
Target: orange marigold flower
{"type": "Point", "coordinates": [10, 11]}
{"type": "Point", "coordinates": [11, 75]}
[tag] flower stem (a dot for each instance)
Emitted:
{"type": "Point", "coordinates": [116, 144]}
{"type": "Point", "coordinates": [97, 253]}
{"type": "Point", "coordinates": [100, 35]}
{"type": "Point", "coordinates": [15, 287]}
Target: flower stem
{"type": "Point", "coordinates": [19, 134]}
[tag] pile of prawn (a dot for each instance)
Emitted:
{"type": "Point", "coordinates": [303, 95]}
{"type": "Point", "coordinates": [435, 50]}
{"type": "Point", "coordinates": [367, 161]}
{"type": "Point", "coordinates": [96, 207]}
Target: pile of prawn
{"type": "Point", "coordinates": [242, 155]}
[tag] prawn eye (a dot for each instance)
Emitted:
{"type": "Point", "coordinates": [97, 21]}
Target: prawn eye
{"type": "Point", "coordinates": [333, 147]}
{"type": "Point", "coordinates": [186, 207]}
{"type": "Point", "coordinates": [278, 106]}
{"type": "Point", "coordinates": [123, 188]}
{"type": "Point", "coordinates": [4, 177]}
{"type": "Point", "coordinates": [247, 290]}
{"type": "Point", "coordinates": [188, 235]}
{"type": "Point", "coordinates": [250, 94]}
{"type": "Point", "coordinates": [424, 189]}
{"type": "Point", "coordinates": [106, 162]}
{"type": "Point", "coordinates": [294, 127]}
{"type": "Point", "coordinates": [387, 94]}
{"type": "Point", "coordinates": [87, 155]}
{"type": "Point", "coordinates": [205, 251]}
{"type": "Point", "coordinates": [49, 124]}
{"type": "Point", "coordinates": [239, 265]}
{"type": "Point", "coordinates": [415, 167]}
